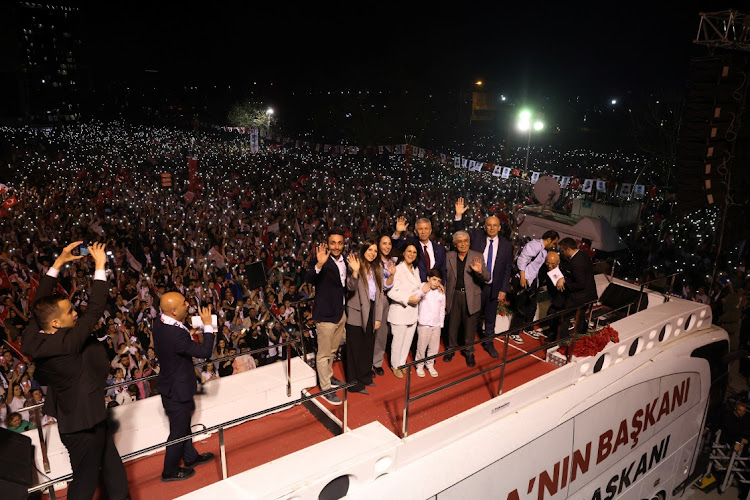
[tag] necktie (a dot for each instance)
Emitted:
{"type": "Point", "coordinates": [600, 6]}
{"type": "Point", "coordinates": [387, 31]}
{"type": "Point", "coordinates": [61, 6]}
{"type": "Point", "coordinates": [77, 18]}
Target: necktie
{"type": "Point", "coordinates": [427, 258]}
{"type": "Point", "coordinates": [489, 257]}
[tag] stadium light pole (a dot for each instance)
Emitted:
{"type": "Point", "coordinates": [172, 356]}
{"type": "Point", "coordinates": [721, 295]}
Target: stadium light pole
{"type": "Point", "coordinates": [525, 124]}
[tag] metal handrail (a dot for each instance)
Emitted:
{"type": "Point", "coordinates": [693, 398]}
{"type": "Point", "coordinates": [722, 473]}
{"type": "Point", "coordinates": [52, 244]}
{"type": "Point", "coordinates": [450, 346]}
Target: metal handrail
{"type": "Point", "coordinates": [201, 363]}
{"type": "Point", "coordinates": [485, 339]}
{"type": "Point", "coordinates": [219, 427]}
{"type": "Point", "coordinates": [406, 367]}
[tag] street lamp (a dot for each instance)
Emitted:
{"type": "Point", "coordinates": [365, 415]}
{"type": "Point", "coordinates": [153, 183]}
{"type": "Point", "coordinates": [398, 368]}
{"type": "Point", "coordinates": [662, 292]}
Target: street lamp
{"type": "Point", "coordinates": [525, 124]}
{"type": "Point", "coordinates": [269, 112]}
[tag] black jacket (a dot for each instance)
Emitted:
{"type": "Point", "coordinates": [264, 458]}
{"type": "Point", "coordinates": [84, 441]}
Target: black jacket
{"type": "Point", "coordinates": [71, 363]}
{"type": "Point", "coordinates": [580, 286]}
{"type": "Point", "coordinates": [175, 350]}
{"type": "Point", "coordinates": [329, 292]}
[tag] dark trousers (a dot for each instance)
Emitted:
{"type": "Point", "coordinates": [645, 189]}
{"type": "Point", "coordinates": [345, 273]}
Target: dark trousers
{"type": "Point", "coordinates": [489, 313]}
{"type": "Point", "coordinates": [179, 414]}
{"type": "Point", "coordinates": [360, 345]}
{"type": "Point", "coordinates": [460, 319]}
{"type": "Point", "coordinates": [557, 324]}
{"type": "Point", "coordinates": [93, 451]}
{"type": "Point", "coordinates": [525, 306]}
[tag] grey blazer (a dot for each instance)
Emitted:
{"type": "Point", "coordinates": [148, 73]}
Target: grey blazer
{"type": "Point", "coordinates": [473, 282]}
{"type": "Point", "coordinates": [358, 302]}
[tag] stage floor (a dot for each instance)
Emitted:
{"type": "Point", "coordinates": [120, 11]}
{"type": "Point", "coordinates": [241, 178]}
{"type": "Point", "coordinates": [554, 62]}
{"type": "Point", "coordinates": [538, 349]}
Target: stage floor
{"type": "Point", "coordinates": [277, 435]}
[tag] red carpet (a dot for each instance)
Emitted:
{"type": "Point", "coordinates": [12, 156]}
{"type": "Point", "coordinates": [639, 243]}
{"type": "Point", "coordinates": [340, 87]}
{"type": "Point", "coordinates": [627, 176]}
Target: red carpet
{"type": "Point", "coordinates": [386, 401]}
{"type": "Point", "coordinates": [274, 436]}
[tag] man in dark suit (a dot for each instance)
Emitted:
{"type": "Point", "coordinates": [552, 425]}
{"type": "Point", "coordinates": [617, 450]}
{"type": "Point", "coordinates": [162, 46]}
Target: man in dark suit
{"type": "Point", "coordinates": [579, 285]}
{"type": "Point", "coordinates": [74, 367]}
{"type": "Point", "coordinates": [177, 384]}
{"type": "Point", "coordinates": [556, 296]}
{"type": "Point", "coordinates": [497, 253]}
{"type": "Point", "coordinates": [431, 254]}
{"type": "Point", "coordinates": [467, 275]}
{"type": "Point", "coordinates": [329, 277]}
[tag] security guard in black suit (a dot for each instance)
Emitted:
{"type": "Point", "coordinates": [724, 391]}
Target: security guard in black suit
{"type": "Point", "coordinates": [74, 366]}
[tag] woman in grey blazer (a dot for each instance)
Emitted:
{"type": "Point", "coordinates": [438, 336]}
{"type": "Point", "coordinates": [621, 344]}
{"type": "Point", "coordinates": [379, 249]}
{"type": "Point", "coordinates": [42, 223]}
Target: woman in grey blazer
{"type": "Point", "coordinates": [364, 308]}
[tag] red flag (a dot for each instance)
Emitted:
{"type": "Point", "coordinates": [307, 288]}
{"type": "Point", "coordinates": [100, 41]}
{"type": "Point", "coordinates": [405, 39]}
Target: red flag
{"type": "Point", "coordinates": [4, 280]}
{"type": "Point", "coordinates": [192, 169]}
{"type": "Point", "coordinates": [33, 285]}
{"type": "Point", "coordinates": [515, 172]}
{"type": "Point", "coordinates": [10, 202]}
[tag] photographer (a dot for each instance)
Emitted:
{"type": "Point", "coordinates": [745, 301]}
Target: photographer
{"type": "Point", "coordinates": [74, 366]}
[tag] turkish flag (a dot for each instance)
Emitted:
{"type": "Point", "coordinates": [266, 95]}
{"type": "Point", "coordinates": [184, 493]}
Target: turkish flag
{"type": "Point", "coordinates": [515, 172]}
{"type": "Point", "coordinates": [34, 284]}
{"type": "Point", "coordinates": [10, 202]}
{"type": "Point", "coordinates": [575, 183]}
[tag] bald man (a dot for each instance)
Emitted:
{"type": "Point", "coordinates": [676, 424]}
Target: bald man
{"type": "Point", "coordinates": [497, 253]}
{"type": "Point", "coordinates": [556, 296]}
{"type": "Point", "coordinates": [177, 385]}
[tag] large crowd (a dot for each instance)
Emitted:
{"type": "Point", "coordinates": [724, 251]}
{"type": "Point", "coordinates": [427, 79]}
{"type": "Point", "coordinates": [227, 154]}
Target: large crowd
{"type": "Point", "coordinates": [101, 182]}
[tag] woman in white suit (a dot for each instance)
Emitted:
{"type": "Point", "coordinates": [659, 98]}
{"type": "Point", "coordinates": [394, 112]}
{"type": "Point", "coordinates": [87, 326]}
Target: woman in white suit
{"type": "Point", "coordinates": [406, 293]}
{"type": "Point", "coordinates": [364, 310]}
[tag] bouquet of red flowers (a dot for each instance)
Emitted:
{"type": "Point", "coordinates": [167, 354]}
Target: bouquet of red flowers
{"type": "Point", "coordinates": [503, 309]}
{"type": "Point", "coordinates": [591, 343]}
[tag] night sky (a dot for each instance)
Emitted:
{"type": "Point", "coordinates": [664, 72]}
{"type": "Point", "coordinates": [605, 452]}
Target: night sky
{"type": "Point", "coordinates": [602, 47]}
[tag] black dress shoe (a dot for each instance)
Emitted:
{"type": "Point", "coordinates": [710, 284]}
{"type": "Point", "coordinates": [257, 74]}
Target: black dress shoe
{"type": "Point", "coordinates": [470, 360]}
{"type": "Point", "coordinates": [371, 384]}
{"type": "Point", "coordinates": [181, 474]}
{"type": "Point", "coordinates": [360, 391]}
{"type": "Point", "coordinates": [492, 351]}
{"type": "Point", "coordinates": [448, 357]}
{"type": "Point", "coordinates": [203, 458]}
{"type": "Point", "coordinates": [378, 370]}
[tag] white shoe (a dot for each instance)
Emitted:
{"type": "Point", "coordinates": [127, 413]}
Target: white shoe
{"type": "Point", "coordinates": [433, 372]}
{"type": "Point", "coordinates": [517, 339]}
{"type": "Point", "coordinates": [420, 372]}
{"type": "Point", "coordinates": [534, 334]}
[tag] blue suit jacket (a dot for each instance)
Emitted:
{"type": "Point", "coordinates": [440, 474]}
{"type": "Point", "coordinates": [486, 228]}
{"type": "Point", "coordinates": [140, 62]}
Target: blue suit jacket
{"type": "Point", "coordinates": [437, 248]}
{"type": "Point", "coordinates": [175, 350]}
{"type": "Point", "coordinates": [502, 266]}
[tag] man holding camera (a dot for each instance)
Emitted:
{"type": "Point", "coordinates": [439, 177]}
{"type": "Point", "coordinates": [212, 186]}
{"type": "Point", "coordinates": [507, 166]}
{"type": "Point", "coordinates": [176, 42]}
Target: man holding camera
{"type": "Point", "coordinates": [74, 366]}
{"type": "Point", "coordinates": [175, 350]}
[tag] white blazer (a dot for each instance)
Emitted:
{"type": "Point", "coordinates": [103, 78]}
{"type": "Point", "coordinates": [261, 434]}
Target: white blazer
{"type": "Point", "coordinates": [405, 284]}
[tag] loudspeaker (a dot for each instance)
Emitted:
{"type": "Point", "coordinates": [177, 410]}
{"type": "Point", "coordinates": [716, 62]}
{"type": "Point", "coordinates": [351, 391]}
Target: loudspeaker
{"type": "Point", "coordinates": [256, 275]}
{"type": "Point", "coordinates": [616, 296]}
{"type": "Point", "coordinates": [709, 127]}
{"type": "Point", "coordinates": [16, 465]}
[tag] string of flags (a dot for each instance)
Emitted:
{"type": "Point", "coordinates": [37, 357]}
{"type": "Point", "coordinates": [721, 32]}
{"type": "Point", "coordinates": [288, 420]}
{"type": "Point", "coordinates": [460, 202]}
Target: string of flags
{"type": "Point", "coordinates": [626, 190]}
